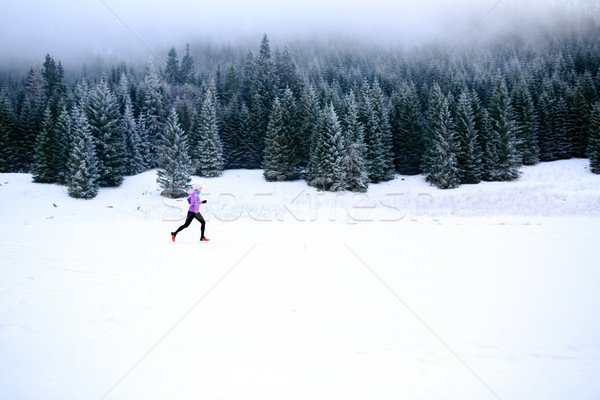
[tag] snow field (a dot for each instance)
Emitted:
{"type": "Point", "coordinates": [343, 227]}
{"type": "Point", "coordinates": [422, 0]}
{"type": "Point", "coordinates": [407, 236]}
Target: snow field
{"type": "Point", "coordinates": [557, 189]}
{"type": "Point", "coordinates": [97, 302]}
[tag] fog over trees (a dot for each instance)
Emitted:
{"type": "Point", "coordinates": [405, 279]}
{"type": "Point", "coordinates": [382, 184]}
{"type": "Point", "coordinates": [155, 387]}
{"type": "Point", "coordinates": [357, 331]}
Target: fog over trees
{"type": "Point", "coordinates": [339, 114]}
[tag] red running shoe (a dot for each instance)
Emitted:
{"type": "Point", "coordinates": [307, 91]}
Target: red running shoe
{"type": "Point", "coordinates": [172, 236]}
{"type": "Point", "coordinates": [204, 240]}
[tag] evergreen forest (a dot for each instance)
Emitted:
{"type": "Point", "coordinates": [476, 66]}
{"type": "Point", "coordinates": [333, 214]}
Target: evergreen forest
{"type": "Point", "coordinates": [340, 115]}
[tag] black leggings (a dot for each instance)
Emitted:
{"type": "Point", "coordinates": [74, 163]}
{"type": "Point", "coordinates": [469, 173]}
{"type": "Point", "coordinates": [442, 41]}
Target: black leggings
{"type": "Point", "coordinates": [188, 221]}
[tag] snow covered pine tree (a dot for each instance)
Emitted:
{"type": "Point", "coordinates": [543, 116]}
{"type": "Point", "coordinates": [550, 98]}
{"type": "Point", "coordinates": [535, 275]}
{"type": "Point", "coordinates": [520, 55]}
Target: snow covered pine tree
{"type": "Point", "coordinates": [280, 163]}
{"type": "Point", "coordinates": [83, 164]}
{"type": "Point", "coordinates": [174, 163]}
{"type": "Point", "coordinates": [439, 161]}
{"type": "Point", "coordinates": [594, 141]}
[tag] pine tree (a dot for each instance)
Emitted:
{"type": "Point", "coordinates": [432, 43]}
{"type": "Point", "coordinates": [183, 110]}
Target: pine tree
{"type": "Point", "coordinates": [134, 161]}
{"type": "Point", "coordinates": [468, 150]}
{"type": "Point", "coordinates": [439, 161]}
{"type": "Point", "coordinates": [502, 125]}
{"type": "Point", "coordinates": [486, 143]}
{"type": "Point", "coordinates": [152, 108]}
{"type": "Point", "coordinates": [7, 127]}
{"type": "Point", "coordinates": [174, 163]}
{"type": "Point", "coordinates": [172, 71]}
{"type": "Point", "coordinates": [546, 140]}
{"type": "Point", "coordinates": [594, 139]}
{"type": "Point", "coordinates": [219, 82]}
{"type": "Point", "coordinates": [562, 129]}
{"type": "Point", "coordinates": [193, 133]}
{"type": "Point", "coordinates": [35, 89]}
{"type": "Point", "coordinates": [64, 133]}
{"type": "Point", "coordinates": [82, 94]}
{"type": "Point", "coordinates": [328, 154]}
{"type": "Point", "coordinates": [586, 85]}
{"type": "Point", "coordinates": [208, 156]}
{"type": "Point", "coordinates": [44, 168]}
{"type": "Point", "coordinates": [27, 128]}
{"type": "Point", "coordinates": [185, 105]}
{"type": "Point", "coordinates": [263, 95]}
{"type": "Point", "coordinates": [255, 137]}
{"type": "Point", "coordinates": [286, 73]}
{"type": "Point", "coordinates": [357, 177]}
{"type": "Point", "coordinates": [236, 148]}
{"type": "Point", "coordinates": [145, 146]}
{"type": "Point", "coordinates": [526, 125]}
{"type": "Point", "coordinates": [55, 88]}
{"type": "Point", "coordinates": [373, 138]}
{"type": "Point", "coordinates": [29, 121]}
{"type": "Point", "coordinates": [123, 92]}
{"type": "Point", "coordinates": [581, 109]}
{"type": "Point", "coordinates": [230, 128]}
{"type": "Point", "coordinates": [333, 95]}
{"type": "Point", "coordinates": [382, 113]}
{"type": "Point", "coordinates": [103, 116]}
{"type": "Point", "coordinates": [309, 109]}
{"type": "Point", "coordinates": [51, 76]}
{"type": "Point", "coordinates": [407, 131]}
{"type": "Point", "coordinates": [231, 86]}
{"type": "Point", "coordinates": [378, 140]}
{"type": "Point", "coordinates": [83, 164]}
{"type": "Point", "coordinates": [247, 81]}
{"type": "Point", "coordinates": [280, 163]}
{"type": "Point", "coordinates": [187, 66]}
{"type": "Point", "coordinates": [243, 151]}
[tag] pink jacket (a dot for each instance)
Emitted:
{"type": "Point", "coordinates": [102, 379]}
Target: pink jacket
{"type": "Point", "coordinates": [194, 201]}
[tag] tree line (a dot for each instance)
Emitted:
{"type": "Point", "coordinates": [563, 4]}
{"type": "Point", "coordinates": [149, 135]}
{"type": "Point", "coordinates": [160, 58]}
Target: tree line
{"type": "Point", "coordinates": [340, 117]}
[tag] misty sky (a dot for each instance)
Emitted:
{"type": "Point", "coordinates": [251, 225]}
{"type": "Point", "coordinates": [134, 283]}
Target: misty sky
{"type": "Point", "coordinates": [77, 28]}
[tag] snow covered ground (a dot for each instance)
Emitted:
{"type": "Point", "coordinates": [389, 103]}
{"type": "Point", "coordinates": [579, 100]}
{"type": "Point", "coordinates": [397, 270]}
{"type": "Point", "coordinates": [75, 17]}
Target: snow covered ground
{"type": "Point", "coordinates": [406, 292]}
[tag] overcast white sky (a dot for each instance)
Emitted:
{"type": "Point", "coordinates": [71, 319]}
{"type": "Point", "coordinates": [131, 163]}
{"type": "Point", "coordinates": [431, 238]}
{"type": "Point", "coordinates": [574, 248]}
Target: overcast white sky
{"type": "Point", "coordinates": [30, 28]}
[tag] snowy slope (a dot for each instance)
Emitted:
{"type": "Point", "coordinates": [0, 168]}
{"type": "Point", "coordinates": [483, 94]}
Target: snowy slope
{"type": "Point", "coordinates": [302, 294]}
{"type": "Point", "coordinates": [562, 188]}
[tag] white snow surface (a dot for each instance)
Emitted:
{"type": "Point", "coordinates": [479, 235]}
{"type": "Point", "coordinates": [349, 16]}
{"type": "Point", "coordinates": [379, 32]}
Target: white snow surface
{"type": "Point", "coordinates": [405, 292]}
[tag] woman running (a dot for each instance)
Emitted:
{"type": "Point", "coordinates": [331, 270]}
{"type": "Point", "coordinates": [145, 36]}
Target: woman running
{"type": "Point", "coordinates": [194, 212]}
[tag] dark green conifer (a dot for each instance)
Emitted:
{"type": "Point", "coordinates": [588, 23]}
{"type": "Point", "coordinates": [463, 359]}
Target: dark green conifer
{"type": "Point", "coordinates": [503, 139]}
{"type": "Point", "coordinates": [526, 126]}
{"type": "Point", "coordinates": [594, 139]}
{"type": "Point", "coordinates": [439, 161]}
{"type": "Point", "coordinates": [45, 168]}
{"type": "Point", "coordinates": [174, 164]}
{"type": "Point", "coordinates": [280, 162]}
{"type": "Point", "coordinates": [104, 119]}
{"type": "Point", "coordinates": [208, 155]}
{"type": "Point", "coordinates": [468, 150]}
{"type": "Point", "coordinates": [407, 131]}
{"type": "Point", "coordinates": [83, 164]}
